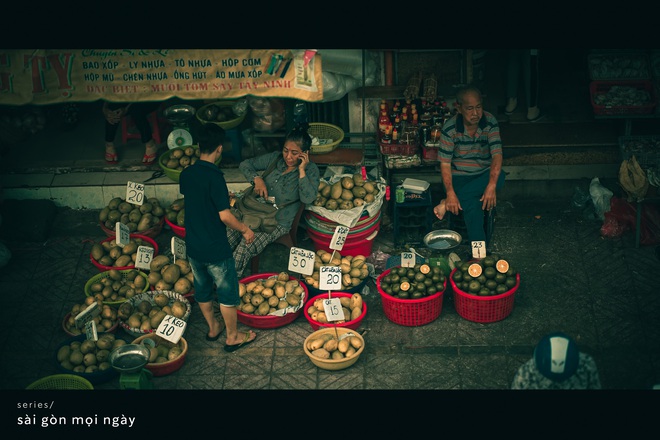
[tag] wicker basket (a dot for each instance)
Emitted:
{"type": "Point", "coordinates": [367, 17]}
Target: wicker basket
{"type": "Point", "coordinates": [325, 131]}
{"type": "Point", "coordinates": [227, 125]}
{"type": "Point", "coordinates": [149, 296]}
{"type": "Point", "coordinates": [61, 382]}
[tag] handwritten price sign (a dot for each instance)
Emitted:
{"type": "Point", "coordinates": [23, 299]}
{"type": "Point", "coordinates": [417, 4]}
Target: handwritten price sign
{"type": "Point", "coordinates": [122, 234]}
{"type": "Point", "coordinates": [135, 193]}
{"type": "Point", "coordinates": [408, 259]}
{"type": "Point", "coordinates": [171, 328]}
{"type": "Point", "coordinates": [330, 278]}
{"type": "Point", "coordinates": [333, 310]}
{"type": "Point", "coordinates": [144, 256]}
{"type": "Point", "coordinates": [339, 238]}
{"type": "Point", "coordinates": [178, 248]}
{"type": "Point", "coordinates": [478, 249]}
{"type": "Point", "coordinates": [301, 261]}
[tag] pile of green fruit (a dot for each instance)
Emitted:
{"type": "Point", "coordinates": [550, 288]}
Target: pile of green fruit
{"type": "Point", "coordinates": [414, 282]}
{"type": "Point", "coordinates": [491, 275]}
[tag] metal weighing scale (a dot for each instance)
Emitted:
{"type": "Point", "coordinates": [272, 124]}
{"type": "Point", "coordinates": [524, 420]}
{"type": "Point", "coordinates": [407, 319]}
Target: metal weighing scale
{"type": "Point", "coordinates": [129, 360]}
{"type": "Point", "coordinates": [179, 115]}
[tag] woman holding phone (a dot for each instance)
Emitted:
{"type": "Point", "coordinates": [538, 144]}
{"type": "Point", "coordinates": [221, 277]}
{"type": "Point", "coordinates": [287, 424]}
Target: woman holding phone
{"type": "Point", "coordinates": [295, 178]}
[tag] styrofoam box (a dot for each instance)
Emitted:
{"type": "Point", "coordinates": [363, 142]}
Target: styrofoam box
{"type": "Point", "coordinates": [415, 186]}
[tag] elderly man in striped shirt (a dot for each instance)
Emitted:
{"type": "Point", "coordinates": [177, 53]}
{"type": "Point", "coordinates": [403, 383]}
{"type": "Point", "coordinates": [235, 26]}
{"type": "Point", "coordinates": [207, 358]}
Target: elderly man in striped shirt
{"type": "Point", "coordinates": [470, 162]}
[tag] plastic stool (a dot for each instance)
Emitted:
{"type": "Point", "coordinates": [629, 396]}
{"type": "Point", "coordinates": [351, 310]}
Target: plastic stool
{"type": "Point", "coordinates": [128, 130]}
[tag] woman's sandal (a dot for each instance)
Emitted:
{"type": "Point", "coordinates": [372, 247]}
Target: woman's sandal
{"type": "Point", "coordinates": [149, 159]}
{"type": "Point", "coordinates": [111, 158]}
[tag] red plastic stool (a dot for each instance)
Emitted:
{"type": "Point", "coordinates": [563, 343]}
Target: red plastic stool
{"type": "Point", "coordinates": [128, 130]}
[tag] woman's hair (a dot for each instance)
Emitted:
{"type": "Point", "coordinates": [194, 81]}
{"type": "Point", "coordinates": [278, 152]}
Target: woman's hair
{"type": "Point", "coordinates": [300, 136]}
{"type": "Point", "coordinates": [209, 136]}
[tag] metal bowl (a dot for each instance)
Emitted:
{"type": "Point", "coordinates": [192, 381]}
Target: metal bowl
{"type": "Point", "coordinates": [129, 358]}
{"type": "Point", "coordinates": [443, 239]}
{"type": "Point", "coordinates": [179, 113]}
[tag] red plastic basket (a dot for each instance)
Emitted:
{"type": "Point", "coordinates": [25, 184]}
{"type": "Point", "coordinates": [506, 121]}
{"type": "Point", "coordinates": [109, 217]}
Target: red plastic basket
{"type": "Point", "coordinates": [269, 321]}
{"type": "Point", "coordinates": [600, 87]}
{"type": "Point", "coordinates": [354, 324]}
{"type": "Point", "coordinates": [103, 268]}
{"type": "Point", "coordinates": [483, 309]}
{"type": "Point", "coordinates": [152, 232]}
{"type": "Point", "coordinates": [411, 312]}
{"type": "Point", "coordinates": [178, 230]}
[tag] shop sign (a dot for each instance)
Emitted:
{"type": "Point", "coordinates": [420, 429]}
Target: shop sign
{"type": "Point", "coordinates": [48, 76]}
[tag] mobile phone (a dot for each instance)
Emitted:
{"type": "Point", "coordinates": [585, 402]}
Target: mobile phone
{"type": "Point", "coordinates": [299, 161]}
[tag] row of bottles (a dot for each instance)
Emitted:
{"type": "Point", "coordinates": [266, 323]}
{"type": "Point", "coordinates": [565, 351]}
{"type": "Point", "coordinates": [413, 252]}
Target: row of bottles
{"type": "Point", "coordinates": [404, 124]}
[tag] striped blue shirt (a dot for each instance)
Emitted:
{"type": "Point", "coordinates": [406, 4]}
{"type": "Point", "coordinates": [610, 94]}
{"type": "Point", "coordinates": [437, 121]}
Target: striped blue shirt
{"type": "Point", "coordinates": [467, 154]}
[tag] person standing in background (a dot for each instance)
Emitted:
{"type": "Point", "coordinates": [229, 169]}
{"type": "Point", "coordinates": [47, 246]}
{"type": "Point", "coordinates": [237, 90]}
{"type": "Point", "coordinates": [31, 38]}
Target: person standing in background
{"type": "Point", "coordinates": [208, 216]}
{"type": "Point", "coordinates": [527, 62]}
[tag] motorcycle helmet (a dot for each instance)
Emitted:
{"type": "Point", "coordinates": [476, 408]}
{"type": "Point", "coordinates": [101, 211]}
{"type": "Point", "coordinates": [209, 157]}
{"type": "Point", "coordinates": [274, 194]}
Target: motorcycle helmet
{"type": "Point", "coordinates": [557, 356]}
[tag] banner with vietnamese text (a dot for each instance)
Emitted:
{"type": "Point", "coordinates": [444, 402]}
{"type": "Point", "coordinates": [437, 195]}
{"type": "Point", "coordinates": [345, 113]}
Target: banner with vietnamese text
{"type": "Point", "coordinates": [48, 76]}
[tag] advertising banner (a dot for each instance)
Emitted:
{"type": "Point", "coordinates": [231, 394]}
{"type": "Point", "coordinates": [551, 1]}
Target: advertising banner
{"type": "Point", "coordinates": [48, 76]}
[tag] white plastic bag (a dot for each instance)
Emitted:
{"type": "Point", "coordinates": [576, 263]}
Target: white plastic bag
{"type": "Point", "coordinates": [600, 196]}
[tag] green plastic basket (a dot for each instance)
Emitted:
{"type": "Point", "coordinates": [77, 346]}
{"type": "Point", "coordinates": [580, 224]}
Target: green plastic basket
{"type": "Point", "coordinates": [61, 382]}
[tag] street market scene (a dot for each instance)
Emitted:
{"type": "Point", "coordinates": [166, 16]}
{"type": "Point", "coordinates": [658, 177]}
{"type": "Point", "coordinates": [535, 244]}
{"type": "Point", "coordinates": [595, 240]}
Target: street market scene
{"type": "Point", "coordinates": [368, 252]}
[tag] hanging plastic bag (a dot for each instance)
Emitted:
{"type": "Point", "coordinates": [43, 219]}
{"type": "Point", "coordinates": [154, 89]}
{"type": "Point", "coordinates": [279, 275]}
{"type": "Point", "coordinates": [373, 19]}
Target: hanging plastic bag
{"type": "Point", "coordinates": [600, 196]}
{"type": "Point", "coordinates": [633, 179]}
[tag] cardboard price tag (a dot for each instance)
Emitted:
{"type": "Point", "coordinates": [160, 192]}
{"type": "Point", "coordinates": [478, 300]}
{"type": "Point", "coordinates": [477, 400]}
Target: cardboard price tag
{"type": "Point", "coordinates": [333, 310]}
{"type": "Point", "coordinates": [330, 278]}
{"type": "Point", "coordinates": [143, 258]}
{"type": "Point", "coordinates": [90, 331]}
{"type": "Point", "coordinates": [171, 328]}
{"type": "Point", "coordinates": [301, 261]}
{"type": "Point", "coordinates": [339, 238]}
{"type": "Point", "coordinates": [479, 249]}
{"type": "Point", "coordinates": [408, 259]}
{"type": "Point", "coordinates": [135, 193]}
{"type": "Point", "coordinates": [178, 248]}
{"type": "Point", "coordinates": [87, 315]}
{"type": "Point", "coordinates": [122, 234]}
